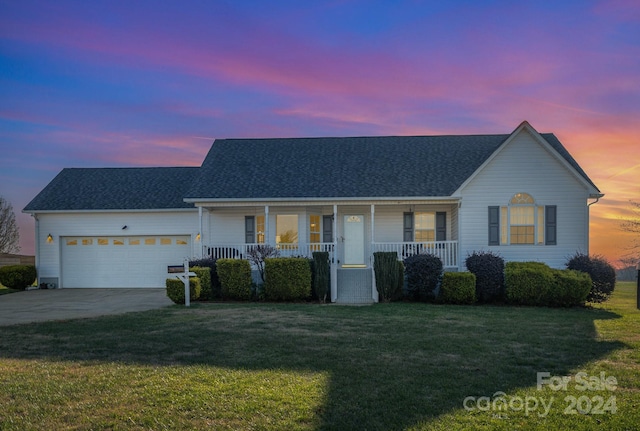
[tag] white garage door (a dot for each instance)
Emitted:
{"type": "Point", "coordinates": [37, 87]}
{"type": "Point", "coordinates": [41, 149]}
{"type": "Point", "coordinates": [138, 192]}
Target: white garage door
{"type": "Point", "coordinates": [139, 261]}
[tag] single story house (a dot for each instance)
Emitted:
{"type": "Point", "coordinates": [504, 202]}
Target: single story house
{"type": "Point", "coordinates": [521, 195]}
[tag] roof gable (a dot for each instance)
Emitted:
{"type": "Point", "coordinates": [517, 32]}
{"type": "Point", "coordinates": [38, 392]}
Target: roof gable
{"type": "Point", "coordinates": [115, 189]}
{"type": "Point", "coordinates": [551, 143]}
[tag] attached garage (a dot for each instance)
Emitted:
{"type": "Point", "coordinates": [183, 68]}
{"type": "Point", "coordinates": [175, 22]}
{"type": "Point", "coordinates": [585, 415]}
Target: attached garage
{"type": "Point", "coordinates": [121, 261]}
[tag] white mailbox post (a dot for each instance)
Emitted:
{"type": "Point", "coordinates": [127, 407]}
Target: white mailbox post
{"type": "Point", "coordinates": [182, 273]}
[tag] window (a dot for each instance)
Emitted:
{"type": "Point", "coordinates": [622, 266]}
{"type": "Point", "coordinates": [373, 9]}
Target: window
{"type": "Point", "coordinates": [149, 241]}
{"type": "Point", "coordinates": [87, 241]}
{"type": "Point", "coordinates": [165, 241]}
{"type": "Point", "coordinates": [134, 241]}
{"type": "Point", "coordinates": [181, 242]}
{"type": "Point", "coordinates": [72, 242]}
{"type": "Point", "coordinates": [286, 229]}
{"type": "Point", "coordinates": [314, 229]}
{"type": "Point", "coordinates": [118, 242]}
{"type": "Point", "coordinates": [103, 241]}
{"type": "Point", "coordinates": [425, 226]}
{"type": "Point", "coordinates": [522, 222]}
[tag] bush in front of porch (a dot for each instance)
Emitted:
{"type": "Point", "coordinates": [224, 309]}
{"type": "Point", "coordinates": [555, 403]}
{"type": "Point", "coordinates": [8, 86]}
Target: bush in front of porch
{"type": "Point", "coordinates": [389, 273]}
{"type": "Point", "coordinates": [424, 273]}
{"type": "Point", "coordinates": [235, 278]}
{"type": "Point", "coordinates": [287, 279]}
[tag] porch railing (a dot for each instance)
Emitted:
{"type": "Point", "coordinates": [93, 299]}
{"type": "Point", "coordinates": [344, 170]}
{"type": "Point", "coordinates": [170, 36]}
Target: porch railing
{"type": "Point", "coordinates": [447, 251]}
{"type": "Point", "coordinates": [241, 251]}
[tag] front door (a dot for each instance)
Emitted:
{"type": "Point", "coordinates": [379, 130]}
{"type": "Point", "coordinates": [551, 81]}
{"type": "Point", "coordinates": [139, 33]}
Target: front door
{"type": "Point", "coordinates": [354, 240]}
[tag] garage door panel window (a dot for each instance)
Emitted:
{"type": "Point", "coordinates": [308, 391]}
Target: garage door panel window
{"type": "Point", "coordinates": [103, 241]}
{"type": "Point", "coordinates": [72, 242]}
{"type": "Point", "coordinates": [150, 241]}
{"type": "Point", "coordinates": [87, 241]}
{"type": "Point", "coordinates": [134, 241]}
{"type": "Point", "coordinates": [165, 241]}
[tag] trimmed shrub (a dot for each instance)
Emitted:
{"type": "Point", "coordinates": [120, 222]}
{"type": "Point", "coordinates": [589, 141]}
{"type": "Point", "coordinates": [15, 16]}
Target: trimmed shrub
{"type": "Point", "coordinates": [287, 279]}
{"type": "Point", "coordinates": [214, 292]}
{"type": "Point", "coordinates": [527, 283]}
{"type": "Point", "coordinates": [424, 272]}
{"type": "Point", "coordinates": [603, 275]}
{"type": "Point", "coordinates": [235, 278]}
{"type": "Point", "coordinates": [18, 276]}
{"type": "Point", "coordinates": [387, 273]}
{"type": "Point", "coordinates": [571, 288]}
{"type": "Point", "coordinates": [204, 275]}
{"type": "Point", "coordinates": [175, 289]}
{"type": "Point", "coordinates": [458, 288]}
{"type": "Point", "coordinates": [488, 268]}
{"type": "Point", "coordinates": [321, 274]}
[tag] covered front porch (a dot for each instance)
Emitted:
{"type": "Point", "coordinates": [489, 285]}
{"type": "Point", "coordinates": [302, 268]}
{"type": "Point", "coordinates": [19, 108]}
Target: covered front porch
{"type": "Point", "coordinates": [350, 233]}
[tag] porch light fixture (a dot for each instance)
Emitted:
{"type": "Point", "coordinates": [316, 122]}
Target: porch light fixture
{"type": "Point", "coordinates": [198, 237]}
{"type": "Point", "coordinates": [125, 227]}
{"type": "Point", "coordinates": [49, 239]}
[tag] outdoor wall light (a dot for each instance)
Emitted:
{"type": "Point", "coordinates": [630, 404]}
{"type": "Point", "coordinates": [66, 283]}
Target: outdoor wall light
{"type": "Point", "coordinates": [125, 227]}
{"type": "Point", "coordinates": [49, 239]}
{"type": "Point", "coordinates": [198, 237]}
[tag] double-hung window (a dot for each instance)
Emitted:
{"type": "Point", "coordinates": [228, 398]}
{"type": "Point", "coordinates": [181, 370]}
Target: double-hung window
{"type": "Point", "coordinates": [522, 222]}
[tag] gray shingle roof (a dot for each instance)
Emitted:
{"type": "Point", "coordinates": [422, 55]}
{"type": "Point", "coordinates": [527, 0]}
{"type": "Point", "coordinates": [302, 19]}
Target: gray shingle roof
{"type": "Point", "coordinates": [359, 167]}
{"type": "Point", "coordinates": [115, 189]}
{"type": "Point", "coordinates": [391, 166]}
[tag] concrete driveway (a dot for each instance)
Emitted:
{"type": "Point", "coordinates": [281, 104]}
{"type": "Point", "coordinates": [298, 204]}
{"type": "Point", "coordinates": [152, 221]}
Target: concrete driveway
{"type": "Point", "coordinates": [63, 304]}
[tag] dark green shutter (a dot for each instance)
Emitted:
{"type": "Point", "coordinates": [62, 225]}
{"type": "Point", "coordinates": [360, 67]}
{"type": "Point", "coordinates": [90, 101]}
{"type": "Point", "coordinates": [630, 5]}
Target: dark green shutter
{"type": "Point", "coordinates": [550, 225]}
{"type": "Point", "coordinates": [249, 229]}
{"type": "Point", "coordinates": [494, 225]}
{"type": "Point", "coordinates": [441, 226]}
{"type": "Point", "coordinates": [408, 227]}
{"type": "Point", "coordinates": [327, 228]}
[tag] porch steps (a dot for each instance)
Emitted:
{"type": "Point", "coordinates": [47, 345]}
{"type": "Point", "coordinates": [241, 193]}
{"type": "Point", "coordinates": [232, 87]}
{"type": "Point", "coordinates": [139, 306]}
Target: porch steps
{"type": "Point", "coordinates": [354, 286]}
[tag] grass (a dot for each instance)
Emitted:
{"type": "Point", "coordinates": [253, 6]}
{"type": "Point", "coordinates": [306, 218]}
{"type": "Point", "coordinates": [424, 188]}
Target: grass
{"type": "Point", "coordinates": [6, 290]}
{"type": "Point", "coordinates": [300, 366]}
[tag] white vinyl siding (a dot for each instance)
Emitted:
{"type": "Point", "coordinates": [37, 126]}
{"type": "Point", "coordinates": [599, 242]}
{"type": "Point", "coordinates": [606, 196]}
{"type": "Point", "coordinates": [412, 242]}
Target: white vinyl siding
{"type": "Point", "coordinates": [525, 165]}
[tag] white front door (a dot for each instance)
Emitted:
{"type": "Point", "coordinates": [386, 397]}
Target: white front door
{"type": "Point", "coordinates": [353, 240]}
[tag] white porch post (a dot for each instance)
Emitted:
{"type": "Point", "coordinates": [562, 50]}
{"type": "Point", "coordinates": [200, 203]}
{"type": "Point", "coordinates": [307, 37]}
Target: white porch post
{"type": "Point", "coordinates": [200, 232]}
{"type": "Point", "coordinates": [266, 224]}
{"type": "Point", "coordinates": [334, 263]}
{"type": "Point", "coordinates": [374, 289]}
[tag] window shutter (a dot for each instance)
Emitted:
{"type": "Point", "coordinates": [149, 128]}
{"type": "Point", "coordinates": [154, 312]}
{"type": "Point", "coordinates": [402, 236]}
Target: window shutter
{"type": "Point", "coordinates": [441, 226]}
{"type": "Point", "coordinates": [327, 228]}
{"type": "Point", "coordinates": [494, 225]}
{"type": "Point", "coordinates": [408, 227]}
{"type": "Point", "coordinates": [550, 225]}
{"type": "Point", "coordinates": [249, 229]}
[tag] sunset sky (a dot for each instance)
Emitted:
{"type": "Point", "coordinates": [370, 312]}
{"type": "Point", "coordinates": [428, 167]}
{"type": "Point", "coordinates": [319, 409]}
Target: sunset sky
{"type": "Point", "coordinates": [153, 83]}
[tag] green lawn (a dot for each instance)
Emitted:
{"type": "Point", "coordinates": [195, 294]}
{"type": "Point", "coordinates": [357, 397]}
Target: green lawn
{"type": "Point", "coordinates": [271, 366]}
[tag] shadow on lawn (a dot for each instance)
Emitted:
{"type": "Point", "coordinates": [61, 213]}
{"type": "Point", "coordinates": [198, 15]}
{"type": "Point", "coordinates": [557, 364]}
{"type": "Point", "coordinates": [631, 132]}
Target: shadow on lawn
{"type": "Point", "coordinates": [391, 366]}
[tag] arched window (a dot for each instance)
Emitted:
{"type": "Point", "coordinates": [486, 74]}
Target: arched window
{"type": "Point", "coordinates": [522, 221]}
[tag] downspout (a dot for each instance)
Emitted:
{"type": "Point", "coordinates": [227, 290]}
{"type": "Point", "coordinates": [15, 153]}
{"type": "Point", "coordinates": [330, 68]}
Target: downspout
{"type": "Point", "coordinates": [589, 220]}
